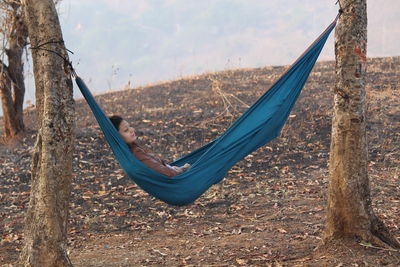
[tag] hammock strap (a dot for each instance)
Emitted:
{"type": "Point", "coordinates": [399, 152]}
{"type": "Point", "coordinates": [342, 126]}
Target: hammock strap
{"type": "Point", "coordinates": [66, 61]}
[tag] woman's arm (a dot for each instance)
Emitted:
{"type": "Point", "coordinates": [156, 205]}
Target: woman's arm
{"type": "Point", "coordinates": [155, 163]}
{"type": "Point", "coordinates": [160, 167]}
{"type": "Point", "coordinates": [182, 168]}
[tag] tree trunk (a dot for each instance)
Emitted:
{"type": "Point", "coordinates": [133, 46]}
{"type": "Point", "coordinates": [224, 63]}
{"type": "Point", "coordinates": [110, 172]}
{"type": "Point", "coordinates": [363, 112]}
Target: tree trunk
{"type": "Point", "coordinates": [349, 212]}
{"type": "Point", "coordinates": [7, 103]}
{"type": "Point", "coordinates": [12, 86]}
{"type": "Point", "coordinates": [46, 220]}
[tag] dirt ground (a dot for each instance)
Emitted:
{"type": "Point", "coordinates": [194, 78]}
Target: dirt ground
{"type": "Point", "coordinates": [270, 209]}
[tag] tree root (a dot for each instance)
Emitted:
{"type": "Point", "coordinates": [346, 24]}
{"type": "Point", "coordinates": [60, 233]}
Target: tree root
{"type": "Point", "coordinates": [381, 232]}
{"type": "Point", "coordinates": [378, 236]}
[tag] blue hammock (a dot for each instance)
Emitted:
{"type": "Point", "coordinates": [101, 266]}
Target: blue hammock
{"type": "Point", "coordinates": [257, 126]}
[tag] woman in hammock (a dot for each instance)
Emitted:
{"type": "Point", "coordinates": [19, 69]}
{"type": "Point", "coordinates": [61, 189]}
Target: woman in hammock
{"type": "Point", "coordinates": [152, 161]}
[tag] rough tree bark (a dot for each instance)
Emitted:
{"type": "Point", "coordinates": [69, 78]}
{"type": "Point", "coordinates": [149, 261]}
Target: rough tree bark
{"type": "Point", "coordinates": [12, 86]}
{"type": "Point", "coordinates": [349, 212]}
{"type": "Point", "coordinates": [46, 220]}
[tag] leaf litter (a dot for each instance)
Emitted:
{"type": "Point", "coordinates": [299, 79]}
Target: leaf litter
{"type": "Point", "coordinates": [270, 209]}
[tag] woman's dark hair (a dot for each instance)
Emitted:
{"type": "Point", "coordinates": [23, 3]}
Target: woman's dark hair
{"type": "Point", "coordinates": [116, 121]}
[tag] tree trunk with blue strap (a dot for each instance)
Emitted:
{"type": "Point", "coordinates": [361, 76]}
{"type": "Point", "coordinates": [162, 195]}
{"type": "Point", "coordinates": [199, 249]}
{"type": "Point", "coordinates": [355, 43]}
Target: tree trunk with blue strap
{"type": "Point", "coordinates": [349, 213]}
{"type": "Point", "coordinates": [45, 237]}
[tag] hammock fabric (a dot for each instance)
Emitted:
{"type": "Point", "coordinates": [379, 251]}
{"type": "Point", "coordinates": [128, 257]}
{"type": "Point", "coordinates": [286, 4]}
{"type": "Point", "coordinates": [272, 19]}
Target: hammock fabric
{"type": "Point", "coordinates": [257, 126]}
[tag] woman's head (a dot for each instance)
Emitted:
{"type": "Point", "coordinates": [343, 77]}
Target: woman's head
{"type": "Point", "coordinates": [116, 121]}
{"type": "Point", "coordinates": [124, 129]}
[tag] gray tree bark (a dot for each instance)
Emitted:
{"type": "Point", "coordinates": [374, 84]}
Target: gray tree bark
{"type": "Point", "coordinates": [45, 241]}
{"type": "Point", "coordinates": [12, 86]}
{"type": "Point", "coordinates": [349, 212]}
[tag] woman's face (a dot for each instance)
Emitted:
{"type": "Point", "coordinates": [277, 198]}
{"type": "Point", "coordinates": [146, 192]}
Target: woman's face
{"type": "Point", "coordinates": [127, 132]}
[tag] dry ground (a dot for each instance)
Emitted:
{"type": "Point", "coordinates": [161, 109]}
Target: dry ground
{"type": "Point", "coordinates": [270, 209]}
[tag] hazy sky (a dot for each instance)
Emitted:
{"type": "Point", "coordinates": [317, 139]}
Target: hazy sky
{"type": "Point", "coordinates": [117, 42]}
